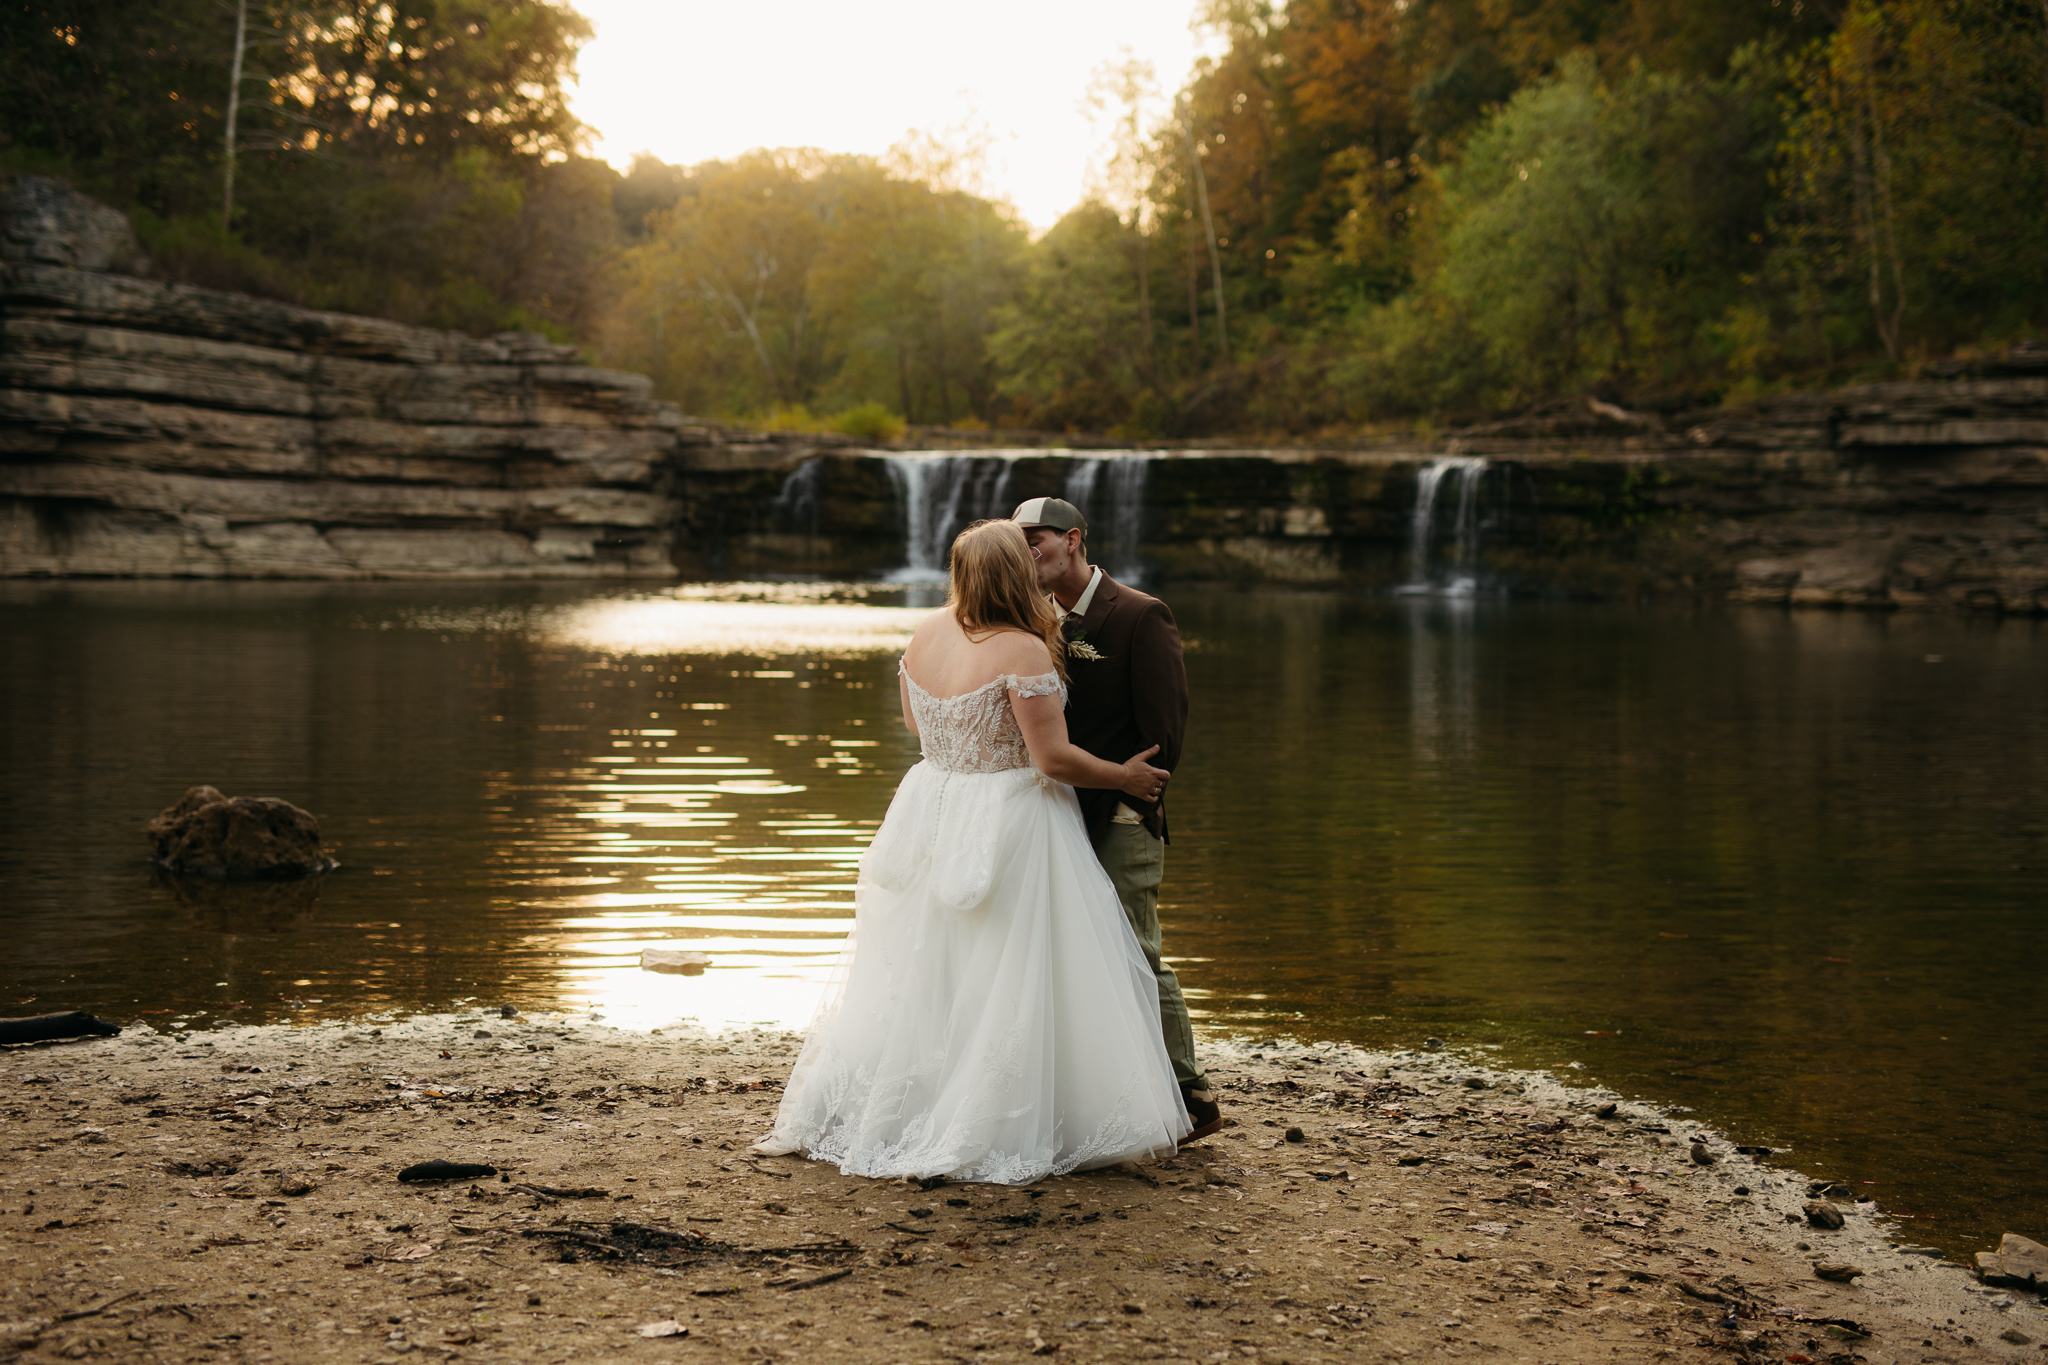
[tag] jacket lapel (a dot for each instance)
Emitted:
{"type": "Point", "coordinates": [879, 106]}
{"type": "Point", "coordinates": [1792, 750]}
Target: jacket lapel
{"type": "Point", "coordinates": [1105, 598]}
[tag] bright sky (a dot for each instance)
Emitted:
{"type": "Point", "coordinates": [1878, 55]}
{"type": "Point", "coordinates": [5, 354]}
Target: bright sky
{"type": "Point", "coordinates": [691, 81]}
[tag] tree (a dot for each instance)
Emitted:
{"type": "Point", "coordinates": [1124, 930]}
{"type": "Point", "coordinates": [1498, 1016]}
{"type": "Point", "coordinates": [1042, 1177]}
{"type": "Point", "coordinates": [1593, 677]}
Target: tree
{"type": "Point", "coordinates": [1917, 170]}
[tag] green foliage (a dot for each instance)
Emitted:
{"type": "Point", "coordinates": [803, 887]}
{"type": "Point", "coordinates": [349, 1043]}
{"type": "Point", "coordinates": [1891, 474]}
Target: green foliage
{"type": "Point", "coordinates": [870, 421]}
{"type": "Point", "coordinates": [1070, 347]}
{"type": "Point", "coordinates": [413, 159]}
{"type": "Point", "coordinates": [1916, 175]}
{"type": "Point", "coordinates": [1356, 212]}
{"type": "Point", "coordinates": [797, 279]}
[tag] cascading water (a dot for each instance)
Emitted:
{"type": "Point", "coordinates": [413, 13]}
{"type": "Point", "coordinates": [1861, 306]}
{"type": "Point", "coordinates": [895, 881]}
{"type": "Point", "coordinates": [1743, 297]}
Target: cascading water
{"type": "Point", "coordinates": [796, 503]}
{"type": "Point", "coordinates": [939, 495]}
{"type": "Point", "coordinates": [1459, 577]}
{"type": "Point", "coordinates": [1116, 515]}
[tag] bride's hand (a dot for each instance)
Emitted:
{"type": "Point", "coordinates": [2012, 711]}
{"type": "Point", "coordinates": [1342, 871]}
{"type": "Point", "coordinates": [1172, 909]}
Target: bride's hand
{"type": "Point", "coordinates": [1141, 779]}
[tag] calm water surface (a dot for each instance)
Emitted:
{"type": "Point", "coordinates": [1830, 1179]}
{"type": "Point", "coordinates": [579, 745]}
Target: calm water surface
{"type": "Point", "coordinates": [1783, 869]}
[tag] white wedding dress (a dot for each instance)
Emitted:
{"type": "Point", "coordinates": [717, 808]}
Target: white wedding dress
{"type": "Point", "coordinates": [992, 1016]}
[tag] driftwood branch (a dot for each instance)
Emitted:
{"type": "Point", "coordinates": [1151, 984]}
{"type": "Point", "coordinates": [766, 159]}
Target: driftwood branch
{"type": "Point", "coordinates": [42, 1028]}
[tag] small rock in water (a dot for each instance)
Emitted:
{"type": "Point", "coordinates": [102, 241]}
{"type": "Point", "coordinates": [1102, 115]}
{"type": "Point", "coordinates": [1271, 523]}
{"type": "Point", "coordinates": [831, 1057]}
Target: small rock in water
{"type": "Point", "coordinates": [1296, 1135]}
{"type": "Point", "coordinates": [1432, 1042]}
{"type": "Point", "coordinates": [1607, 1110]}
{"type": "Point", "coordinates": [1742, 1189]}
{"type": "Point", "coordinates": [1823, 1215]}
{"type": "Point", "coordinates": [206, 834]}
{"type": "Point", "coordinates": [2016, 1337]}
{"type": "Point", "coordinates": [1475, 1083]}
{"type": "Point", "coordinates": [1838, 1271]}
{"type": "Point", "coordinates": [508, 1011]}
{"type": "Point", "coordinates": [679, 961]}
{"type": "Point", "coordinates": [1701, 1156]}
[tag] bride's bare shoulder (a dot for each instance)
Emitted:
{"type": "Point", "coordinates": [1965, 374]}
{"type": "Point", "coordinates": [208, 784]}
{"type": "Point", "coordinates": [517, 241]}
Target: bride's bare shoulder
{"type": "Point", "coordinates": [1022, 653]}
{"type": "Point", "coordinates": [937, 629]}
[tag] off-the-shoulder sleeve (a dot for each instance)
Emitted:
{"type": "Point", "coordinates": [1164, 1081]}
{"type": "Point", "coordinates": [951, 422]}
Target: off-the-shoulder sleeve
{"type": "Point", "coordinates": [1044, 685]}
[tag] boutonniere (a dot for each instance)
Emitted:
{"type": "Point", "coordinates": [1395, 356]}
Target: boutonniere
{"type": "Point", "coordinates": [1077, 641]}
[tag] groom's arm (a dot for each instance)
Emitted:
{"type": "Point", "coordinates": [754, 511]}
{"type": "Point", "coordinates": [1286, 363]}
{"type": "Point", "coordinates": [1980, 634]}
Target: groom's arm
{"type": "Point", "coordinates": [1159, 684]}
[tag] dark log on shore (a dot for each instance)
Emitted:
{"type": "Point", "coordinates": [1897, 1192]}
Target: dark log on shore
{"type": "Point", "coordinates": [43, 1027]}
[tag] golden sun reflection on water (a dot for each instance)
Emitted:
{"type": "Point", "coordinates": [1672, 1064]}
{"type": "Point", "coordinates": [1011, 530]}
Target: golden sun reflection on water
{"type": "Point", "coordinates": [697, 626]}
{"type": "Point", "coordinates": [646, 844]}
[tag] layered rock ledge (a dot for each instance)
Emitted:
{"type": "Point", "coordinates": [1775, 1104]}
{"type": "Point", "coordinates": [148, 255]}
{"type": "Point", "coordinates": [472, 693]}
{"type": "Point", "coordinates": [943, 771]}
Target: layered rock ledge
{"type": "Point", "coordinates": [1928, 493]}
{"type": "Point", "coordinates": [155, 429]}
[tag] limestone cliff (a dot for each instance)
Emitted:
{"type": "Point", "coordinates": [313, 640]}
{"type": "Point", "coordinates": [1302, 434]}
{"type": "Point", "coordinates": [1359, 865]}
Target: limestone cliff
{"type": "Point", "coordinates": [149, 428]}
{"type": "Point", "coordinates": [155, 429]}
{"type": "Point", "coordinates": [1931, 492]}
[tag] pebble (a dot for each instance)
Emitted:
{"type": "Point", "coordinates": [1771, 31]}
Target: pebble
{"type": "Point", "coordinates": [1838, 1271]}
{"type": "Point", "coordinates": [1701, 1156]}
{"type": "Point", "coordinates": [1296, 1135]}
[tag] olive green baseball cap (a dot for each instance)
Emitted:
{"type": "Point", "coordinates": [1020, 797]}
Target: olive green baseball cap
{"type": "Point", "coordinates": [1055, 514]}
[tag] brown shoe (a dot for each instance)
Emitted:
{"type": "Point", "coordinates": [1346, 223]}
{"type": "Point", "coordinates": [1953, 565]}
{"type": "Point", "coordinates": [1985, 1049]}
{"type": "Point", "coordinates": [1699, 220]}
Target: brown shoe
{"type": "Point", "coordinates": [1203, 1110]}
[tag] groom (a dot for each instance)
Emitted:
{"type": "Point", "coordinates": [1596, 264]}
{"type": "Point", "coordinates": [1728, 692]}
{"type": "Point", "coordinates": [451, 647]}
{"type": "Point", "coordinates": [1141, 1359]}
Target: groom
{"type": "Point", "coordinates": [1127, 691]}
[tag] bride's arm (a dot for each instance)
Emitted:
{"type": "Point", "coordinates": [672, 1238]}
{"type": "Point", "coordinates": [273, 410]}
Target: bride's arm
{"type": "Point", "coordinates": [1044, 723]}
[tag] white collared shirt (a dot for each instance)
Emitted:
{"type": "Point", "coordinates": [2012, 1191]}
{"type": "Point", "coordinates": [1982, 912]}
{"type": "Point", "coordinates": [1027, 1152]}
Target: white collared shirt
{"type": "Point", "coordinates": [1081, 603]}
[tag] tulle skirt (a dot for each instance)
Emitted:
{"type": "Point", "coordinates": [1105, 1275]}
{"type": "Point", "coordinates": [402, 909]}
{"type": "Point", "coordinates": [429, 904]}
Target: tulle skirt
{"type": "Point", "coordinates": [992, 1016]}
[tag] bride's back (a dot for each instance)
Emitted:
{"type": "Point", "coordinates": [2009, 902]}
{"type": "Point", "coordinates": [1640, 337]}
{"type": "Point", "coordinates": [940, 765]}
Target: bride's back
{"type": "Point", "coordinates": [987, 627]}
{"type": "Point", "coordinates": [946, 661]}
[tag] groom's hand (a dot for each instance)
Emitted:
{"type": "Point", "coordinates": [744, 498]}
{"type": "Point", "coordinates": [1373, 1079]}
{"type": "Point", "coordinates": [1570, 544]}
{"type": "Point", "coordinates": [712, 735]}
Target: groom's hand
{"type": "Point", "coordinates": [1141, 779]}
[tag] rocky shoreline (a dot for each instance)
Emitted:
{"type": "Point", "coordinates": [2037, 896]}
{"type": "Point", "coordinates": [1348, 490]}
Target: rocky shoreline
{"type": "Point", "coordinates": [235, 1196]}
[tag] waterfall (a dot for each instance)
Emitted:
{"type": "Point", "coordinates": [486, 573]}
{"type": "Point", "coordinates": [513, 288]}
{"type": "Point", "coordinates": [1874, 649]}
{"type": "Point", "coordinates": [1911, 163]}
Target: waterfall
{"type": "Point", "coordinates": [1116, 521]}
{"type": "Point", "coordinates": [939, 495]}
{"type": "Point", "coordinates": [1466, 473]}
{"type": "Point", "coordinates": [796, 504]}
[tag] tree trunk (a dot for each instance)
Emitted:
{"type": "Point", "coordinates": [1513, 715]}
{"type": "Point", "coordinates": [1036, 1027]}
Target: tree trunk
{"type": "Point", "coordinates": [1215, 261]}
{"type": "Point", "coordinates": [227, 187]}
{"type": "Point", "coordinates": [1145, 303]}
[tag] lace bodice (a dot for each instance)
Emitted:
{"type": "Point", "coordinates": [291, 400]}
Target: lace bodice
{"type": "Point", "coordinates": [976, 732]}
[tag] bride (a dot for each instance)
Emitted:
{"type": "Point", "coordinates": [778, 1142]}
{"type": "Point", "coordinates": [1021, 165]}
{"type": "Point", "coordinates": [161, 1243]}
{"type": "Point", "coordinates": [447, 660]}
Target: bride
{"type": "Point", "coordinates": [992, 1016]}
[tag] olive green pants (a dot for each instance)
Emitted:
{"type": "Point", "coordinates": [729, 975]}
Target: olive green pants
{"type": "Point", "coordinates": [1135, 861]}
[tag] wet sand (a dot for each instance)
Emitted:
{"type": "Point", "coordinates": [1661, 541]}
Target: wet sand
{"type": "Point", "coordinates": [234, 1197]}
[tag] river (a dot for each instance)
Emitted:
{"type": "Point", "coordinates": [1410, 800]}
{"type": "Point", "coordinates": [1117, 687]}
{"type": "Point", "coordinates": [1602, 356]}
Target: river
{"type": "Point", "coordinates": [1784, 870]}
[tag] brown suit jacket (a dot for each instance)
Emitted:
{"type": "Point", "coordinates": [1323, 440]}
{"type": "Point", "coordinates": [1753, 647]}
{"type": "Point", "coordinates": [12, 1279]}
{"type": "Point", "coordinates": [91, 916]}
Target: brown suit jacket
{"type": "Point", "coordinates": [1134, 696]}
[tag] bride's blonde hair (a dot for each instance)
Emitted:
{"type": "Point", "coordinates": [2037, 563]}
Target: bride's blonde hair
{"type": "Point", "coordinates": [994, 586]}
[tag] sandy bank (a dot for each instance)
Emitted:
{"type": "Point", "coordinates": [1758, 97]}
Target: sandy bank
{"type": "Point", "coordinates": [234, 1198]}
